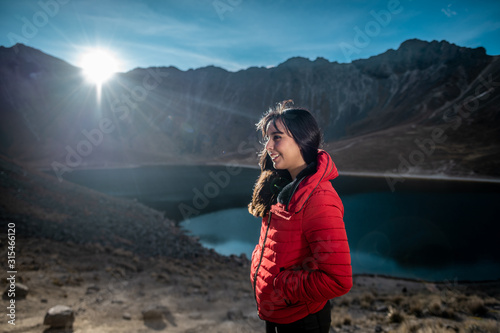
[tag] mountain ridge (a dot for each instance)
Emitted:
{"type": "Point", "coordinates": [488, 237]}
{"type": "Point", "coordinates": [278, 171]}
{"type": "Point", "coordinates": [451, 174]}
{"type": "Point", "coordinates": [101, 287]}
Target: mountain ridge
{"type": "Point", "coordinates": [205, 115]}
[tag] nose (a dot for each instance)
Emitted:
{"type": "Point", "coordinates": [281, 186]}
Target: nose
{"type": "Point", "coordinates": [268, 145]}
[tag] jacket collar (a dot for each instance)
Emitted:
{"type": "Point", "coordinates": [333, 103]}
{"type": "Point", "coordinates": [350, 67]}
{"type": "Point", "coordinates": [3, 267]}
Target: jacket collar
{"type": "Point", "coordinates": [294, 195]}
{"type": "Point", "coordinates": [287, 192]}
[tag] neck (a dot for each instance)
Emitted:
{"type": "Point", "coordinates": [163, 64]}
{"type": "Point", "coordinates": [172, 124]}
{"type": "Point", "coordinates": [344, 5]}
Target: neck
{"type": "Point", "coordinates": [294, 172]}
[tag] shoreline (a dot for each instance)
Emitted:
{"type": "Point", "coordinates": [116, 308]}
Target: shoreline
{"type": "Point", "coordinates": [365, 174]}
{"type": "Point", "coordinates": [419, 177]}
{"type": "Point", "coordinates": [415, 280]}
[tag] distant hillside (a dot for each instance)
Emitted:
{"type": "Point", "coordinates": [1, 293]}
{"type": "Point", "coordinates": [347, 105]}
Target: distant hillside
{"type": "Point", "coordinates": [42, 207]}
{"type": "Point", "coordinates": [427, 108]}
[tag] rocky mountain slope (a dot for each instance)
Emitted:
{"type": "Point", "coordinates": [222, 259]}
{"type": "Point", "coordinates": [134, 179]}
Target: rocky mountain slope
{"type": "Point", "coordinates": [42, 207]}
{"type": "Point", "coordinates": [427, 108]}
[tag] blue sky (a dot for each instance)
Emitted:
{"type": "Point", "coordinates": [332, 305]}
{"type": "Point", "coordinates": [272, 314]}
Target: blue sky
{"type": "Point", "coordinates": [237, 34]}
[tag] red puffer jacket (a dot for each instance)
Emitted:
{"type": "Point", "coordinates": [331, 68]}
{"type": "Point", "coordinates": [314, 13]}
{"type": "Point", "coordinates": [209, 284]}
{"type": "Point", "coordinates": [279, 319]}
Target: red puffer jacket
{"type": "Point", "coordinates": [302, 259]}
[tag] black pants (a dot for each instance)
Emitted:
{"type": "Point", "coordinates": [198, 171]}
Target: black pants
{"type": "Point", "coordinates": [318, 322]}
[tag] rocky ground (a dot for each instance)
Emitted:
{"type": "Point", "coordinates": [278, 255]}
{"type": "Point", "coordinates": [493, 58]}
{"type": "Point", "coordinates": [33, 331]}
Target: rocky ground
{"type": "Point", "coordinates": [122, 267]}
{"type": "Point", "coordinates": [114, 290]}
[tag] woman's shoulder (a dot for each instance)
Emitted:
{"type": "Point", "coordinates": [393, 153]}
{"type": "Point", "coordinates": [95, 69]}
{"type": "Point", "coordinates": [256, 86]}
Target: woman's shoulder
{"type": "Point", "coordinates": [324, 192]}
{"type": "Point", "coordinates": [323, 205]}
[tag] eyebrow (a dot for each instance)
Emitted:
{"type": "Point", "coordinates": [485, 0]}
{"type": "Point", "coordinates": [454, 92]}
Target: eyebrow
{"type": "Point", "coordinates": [275, 132]}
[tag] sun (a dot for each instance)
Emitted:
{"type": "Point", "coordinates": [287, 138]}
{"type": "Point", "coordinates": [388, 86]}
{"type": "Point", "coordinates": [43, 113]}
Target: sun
{"type": "Point", "coordinates": [98, 65]}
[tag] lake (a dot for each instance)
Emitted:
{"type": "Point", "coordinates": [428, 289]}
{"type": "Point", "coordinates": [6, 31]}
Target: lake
{"type": "Point", "coordinates": [426, 229]}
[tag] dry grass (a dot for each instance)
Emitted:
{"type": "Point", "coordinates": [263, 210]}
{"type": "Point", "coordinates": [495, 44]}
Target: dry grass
{"type": "Point", "coordinates": [395, 316]}
{"type": "Point", "coordinates": [475, 306]}
{"type": "Point", "coordinates": [436, 326]}
{"type": "Point", "coordinates": [450, 308]}
{"type": "Point", "coordinates": [340, 318]}
{"type": "Point", "coordinates": [345, 301]}
{"type": "Point", "coordinates": [366, 300]}
{"type": "Point", "coordinates": [424, 327]}
{"type": "Point", "coordinates": [481, 326]}
{"type": "Point", "coordinates": [422, 305]}
{"type": "Point", "coordinates": [417, 308]}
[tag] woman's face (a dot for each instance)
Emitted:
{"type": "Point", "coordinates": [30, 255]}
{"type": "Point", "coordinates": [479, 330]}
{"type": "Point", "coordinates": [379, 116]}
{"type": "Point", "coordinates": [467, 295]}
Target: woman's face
{"type": "Point", "coordinates": [283, 149]}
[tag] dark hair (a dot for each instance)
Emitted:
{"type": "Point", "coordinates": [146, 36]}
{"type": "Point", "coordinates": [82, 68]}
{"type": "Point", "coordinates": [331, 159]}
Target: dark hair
{"type": "Point", "coordinates": [300, 124]}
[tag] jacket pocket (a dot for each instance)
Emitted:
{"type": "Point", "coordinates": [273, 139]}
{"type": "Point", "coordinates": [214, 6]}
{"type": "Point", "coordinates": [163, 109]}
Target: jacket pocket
{"type": "Point", "coordinates": [279, 291]}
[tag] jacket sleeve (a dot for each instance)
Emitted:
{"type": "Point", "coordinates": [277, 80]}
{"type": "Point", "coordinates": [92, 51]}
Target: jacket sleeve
{"type": "Point", "coordinates": [327, 272]}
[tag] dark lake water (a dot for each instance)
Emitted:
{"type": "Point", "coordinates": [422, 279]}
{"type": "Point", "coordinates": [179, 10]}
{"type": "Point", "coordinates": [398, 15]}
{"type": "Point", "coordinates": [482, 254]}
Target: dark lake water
{"type": "Point", "coordinates": [427, 229]}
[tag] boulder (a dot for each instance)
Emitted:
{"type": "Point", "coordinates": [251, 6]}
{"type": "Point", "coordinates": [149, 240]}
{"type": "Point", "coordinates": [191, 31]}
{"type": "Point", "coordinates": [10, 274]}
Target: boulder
{"type": "Point", "coordinates": [59, 316]}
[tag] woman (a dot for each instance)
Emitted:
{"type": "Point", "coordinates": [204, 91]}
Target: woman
{"type": "Point", "coordinates": [302, 259]}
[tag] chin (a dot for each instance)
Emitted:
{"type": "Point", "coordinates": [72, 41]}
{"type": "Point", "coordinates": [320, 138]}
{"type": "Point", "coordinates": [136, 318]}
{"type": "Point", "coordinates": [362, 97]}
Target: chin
{"type": "Point", "coordinates": [277, 167]}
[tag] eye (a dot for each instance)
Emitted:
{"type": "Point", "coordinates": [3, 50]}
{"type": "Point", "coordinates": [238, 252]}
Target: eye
{"type": "Point", "coordinates": [277, 137]}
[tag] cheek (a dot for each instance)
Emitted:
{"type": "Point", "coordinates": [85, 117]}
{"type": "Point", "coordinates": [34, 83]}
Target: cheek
{"type": "Point", "coordinates": [295, 149]}
{"type": "Point", "coordinates": [298, 154]}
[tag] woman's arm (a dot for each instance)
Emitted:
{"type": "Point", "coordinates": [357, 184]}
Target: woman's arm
{"type": "Point", "coordinates": [327, 273]}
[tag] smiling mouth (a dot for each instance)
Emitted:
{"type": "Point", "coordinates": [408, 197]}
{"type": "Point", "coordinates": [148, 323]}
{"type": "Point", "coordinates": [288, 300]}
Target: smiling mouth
{"type": "Point", "coordinates": [274, 156]}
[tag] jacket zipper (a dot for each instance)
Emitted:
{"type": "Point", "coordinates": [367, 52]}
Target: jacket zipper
{"type": "Point", "coordinates": [261, 257]}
